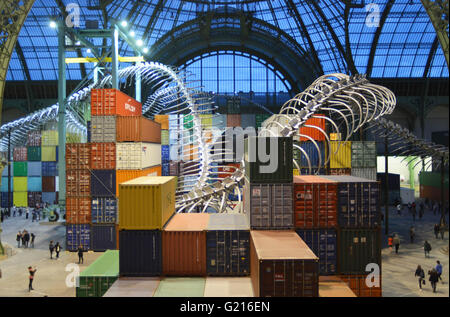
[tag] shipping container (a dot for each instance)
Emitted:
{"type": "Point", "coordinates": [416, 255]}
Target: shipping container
{"type": "Point", "coordinates": [407, 195]}
{"type": "Point", "coordinates": [364, 154]}
{"type": "Point", "coordinates": [103, 156]}
{"type": "Point", "coordinates": [279, 167]}
{"type": "Point", "coordinates": [50, 198]}
{"type": "Point", "coordinates": [34, 198]}
{"type": "Point", "coordinates": [433, 179]}
{"type": "Point", "coordinates": [49, 138]}
{"type": "Point", "coordinates": [393, 197]}
{"type": "Point", "coordinates": [393, 181]}
{"type": "Point", "coordinates": [310, 148]}
{"type": "Point", "coordinates": [341, 154]}
{"type": "Point", "coordinates": [206, 121]}
{"type": "Point", "coordinates": [140, 253]}
{"type": "Point", "coordinates": [165, 169]}
{"type": "Point", "coordinates": [49, 153]}
{"type": "Point", "coordinates": [49, 169]}
{"type": "Point", "coordinates": [228, 287]}
{"type": "Point", "coordinates": [146, 203]}
{"type": "Point", "coordinates": [228, 245]}
{"type": "Point", "coordinates": [366, 172]}
{"type": "Point", "coordinates": [78, 235]}
{"type": "Point", "coordinates": [357, 248]}
{"type": "Point", "coordinates": [282, 265]}
{"type": "Point", "coordinates": [313, 171]}
{"type": "Point", "coordinates": [190, 152]}
{"type": "Point", "coordinates": [135, 156]}
{"type": "Point", "coordinates": [314, 133]}
{"type": "Point", "coordinates": [133, 287]}
{"type": "Point", "coordinates": [34, 138]}
{"type": "Point", "coordinates": [20, 184]}
{"type": "Point", "coordinates": [103, 237]}
{"type": "Point", "coordinates": [323, 242]}
{"type": "Point", "coordinates": [103, 183]}
{"type": "Point", "coordinates": [5, 184]}
{"type": "Point", "coordinates": [181, 287]}
{"type": "Point", "coordinates": [137, 129]}
{"type": "Point", "coordinates": [104, 210]}
{"type": "Point", "coordinates": [174, 122]}
{"type": "Point", "coordinates": [269, 206]}
{"type": "Point", "coordinates": [174, 168]}
{"type": "Point", "coordinates": [34, 169]}
{"type": "Point", "coordinates": [228, 170]}
{"type": "Point", "coordinates": [165, 153]}
{"type": "Point", "coordinates": [7, 202]}
{"type": "Point", "coordinates": [78, 183]}
{"type": "Point", "coordinates": [219, 121]}
{"type": "Point", "coordinates": [315, 202]}
{"type": "Point", "coordinates": [34, 153]}
{"type": "Point", "coordinates": [234, 120]}
{"type": "Point", "coordinates": [359, 285]}
{"type": "Point", "coordinates": [248, 121]}
{"type": "Point", "coordinates": [34, 184]}
{"type": "Point", "coordinates": [432, 193]}
{"type": "Point", "coordinates": [20, 199]}
{"type": "Point", "coordinates": [103, 129]}
{"type": "Point", "coordinates": [164, 137]}
{"type": "Point", "coordinates": [126, 175]}
{"type": "Point", "coordinates": [20, 168]}
{"type": "Point", "coordinates": [184, 245]}
{"type": "Point", "coordinates": [78, 156]}
{"type": "Point", "coordinates": [260, 118]}
{"type": "Point", "coordinates": [5, 171]}
{"type": "Point", "coordinates": [88, 128]}
{"type": "Point", "coordinates": [99, 276]}
{"type": "Point", "coordinates": [48, 184]}
{"type": "Point", "coordinates": [78, 210]}
{"type": "Point", "coordinates": [188, 122]}
{"type": "Point", "coordinates": [333, 286]}
{"type": "Point", "coordinates": [106, 102]}
{"type": "Point", "coordinates": [339, 171]}
{"type": "Point", "coordinates": [163, 120]}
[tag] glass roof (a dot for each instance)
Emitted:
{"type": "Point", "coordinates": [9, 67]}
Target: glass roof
{"type": "Point", "coordinates": [402, 50]}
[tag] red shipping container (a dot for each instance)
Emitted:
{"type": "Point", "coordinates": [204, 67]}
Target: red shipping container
{"type": "Point", "coordinates": [20, 154]}
{"type": "Point", "coordinates": [107, 102]}
{"type": "Point", "coordinates": [78, 156]}
{"type": "Point", "coordinates": [34, 138]}
{"type": "Point", "coordinates": [233, 120]}
{"type": "Point", "coordinates": [315, 202]}
{"type": "Point", "coordinates": [48, 184]}
{"type": "Point", "coordinates": [228, 170]}
{"type": "Point", "coordinates": [432, 193]}
{"type": "Point", "coordinates": [358, 285]}
{"type": "Point", "coordinates": [78, 210]}
{"type": "Point", "coordinates": [103, 156]}
{"type": "Point", "coordinates": [312, 132]}
{"type": "Point", "coordinates": [137, 129]}
{"type": "Point", "coordinates": [78, 183]}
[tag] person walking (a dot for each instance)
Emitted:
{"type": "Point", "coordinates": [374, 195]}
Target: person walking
{"type": "Point", "coordinates": [57, 249]}
{"type": "Point", "coordinates": [32, 240]}
{"type": "Point", "coordinates": [433, 279]}
{"type": "Point", "coordinates": [27, 239]}
{"type": "Point", "coordinates": [390, 243]}
{"type": "Point", "coordinates": [436, 231]}
{"type": "Point", "coordinates": [18, 238]}
{"type": "Point", "coordinates": [421, 275]}
{"type": "Point", "coordinates": [412, 234]}
{"type": "Point", "coordinates": [442, 230]}
{"type": "Point", "coordinates": [427, 248]}
{"type": "Point", "coordinates": [80, 255]}
{"type": "Point", "coordinates": [439, 271]}
{"type": "Point", "coordinates": [31, 271]}
{"type": "Point", "coordinates": [399, 209]}
{"type": "Point", "coordinates": [396, 242]}
{"type": "Point", "coordinates": [51, 247]}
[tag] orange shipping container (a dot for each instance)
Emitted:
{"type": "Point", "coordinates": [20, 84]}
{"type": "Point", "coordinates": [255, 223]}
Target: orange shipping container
{"type": "Point", "coordinates": [190, 152]}
{"type": "Point", "coordinates": [103, 156]}
{"type": "Point", "coordinates": [127, 175]}
{"type": "Point", "coordinates": [107, 102]}
{"type": "Point", "coordinates": [78, 156]}
{"type": "Point", "coordinates": [163, 120]}
{"type": "Point", "coordinates": [333, 286]}
{"type": "Point", "coordinates": [228, 170]}
{"type": "Point", "coordinates": [184, 245]}
{"type": "Point", "coordinates": [137, 129]}
{"type": "Point", "coordinates": [432, 193]}
{"type": "Point", "coordinates": [312, 132]}
{"type": "Point", "coordinates": [340, 171]}
{"type": "Point", "coordinates": [358, 285]}
{"type": "Point", "coordinates": [78, 183]}
{"type": "Point", "coordinates": [233, 120]}
{"type": "Point", "coordinates": [78, 210]}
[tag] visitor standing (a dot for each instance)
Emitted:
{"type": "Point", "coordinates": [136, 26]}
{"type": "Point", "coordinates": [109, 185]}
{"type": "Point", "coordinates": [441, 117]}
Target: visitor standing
{"type": "Point", "coordinates": [421, 275]}
{"type": "Point", "coordinates": [442, 230]}
{"type": "Point", "coordinates": [396, 242]}
{"type": "Point", "coordinates": [32, 240]}
{"type": "Point", "coordinates": [57, 249]}
{"type": "Point", "coordinates": [390, 243]}
{"type": "Point", "coordinates": [427, 248]}
{"type": "Point", "coordinates": [399, 209]}
{"type": "Point", "coordinates": [51, 247]}
{"type": "Point", "coordinates": [436, 230]}
{"type": "Point", "coordinates": [18, 238]}
{"type": "Point", "coordinates": [80, 255]}
{"type": "Point", "coordinates": [412, 234]}
{"type": "Point", "coordinates": [31, 271]}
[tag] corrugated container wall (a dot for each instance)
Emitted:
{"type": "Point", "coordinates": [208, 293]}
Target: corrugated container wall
{"type": "Point", "coordinates": [393, 181]}
{"type": "Point", "coordinates": [312, 132]}
{"type": "Point", "coordinates": [78, 183]}
{"type": "Point", "coordinates": [76, 235]}
{"type": "Point", "coordinates": [48, 184]}
{"type": "Point", "coordinates": [4, 188]}
{"type": "Point", "coordinates": [49, 153]}
{"type": "Point", "coordinates": [103, 183]}
{"type": "Point", "coordinates": [104, 210]}
{"type": "Point", "coordinates": [163, 120]}
{"type": "Point", "coordinates": [137, 129]}
{"type": "Point", "coordinates": [34, 138]}
{"type": "Point", "coordinates": [78, 156]}
{"type": "Point", "coordinates": [367, 173]}
{"type": "Point", "coordinates": [340, 171]}
{"type": "Point", "coordinates": [358, 285]}
{"type": "Point", "coordinates": [34, 198]}
{"type": "Point", "coordinates": [20, 168]}
{"type": "Point", "coordinates": [78, 210]}
{"type": "Point", "coordinates": [103, 129]}
{"type": "Point", "coordinates": [105, 102]}
{"type": "Point", "coordinates": [49, 169]}
{"type": "Point", "coordinates": [126, 175]}
{"type": "Point", "coordinates": [20, 199]}
{"type": "Point", "coordinates": [134, 156]}
{"type": "Point", "coordinates": [34, 168]}
{"type": "Point", "coordinates": [364, 154]}
{"type": "Point", "coordinates": [314, 158]}
{"type": "Point", "coordinates": [49, 138]}
{"type": "Point", "coordinates": [248, 120]}
{"type": "Point", "coordinates": [433, 179]}
{"type": "Point", "coordinates": [343, 157]}
{"type": "Point", "coordinates": [103, 237]}
{"type": "Point", "coordinates": [103, 156]}
{"type": "Point", "coordinates": [34, 184]}
{"type": "Point", "coordinates": [233, 120]}
{"type": "Point", "coordinates": [165, 137]}
{"type": "Point", "coordinates": [5, 203]}
{"type": "Point", "coordinates": [34, 153]}
{"type": "Point", "coordinates": [50, 198]}
{"type": "Point", "coordinates": [20, 184]}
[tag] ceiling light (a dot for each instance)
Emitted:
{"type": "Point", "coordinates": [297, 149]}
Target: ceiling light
{"type": "Point", "coordinates": [53, 24]}
{"type": "Point", "coordinates": [139, 42]}
{"type": "Point", "coordinates": [124, 23]}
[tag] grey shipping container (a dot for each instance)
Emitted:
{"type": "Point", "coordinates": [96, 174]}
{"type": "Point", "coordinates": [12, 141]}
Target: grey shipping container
{"type": "Point", "coordinates": [49, 197]}
{"type": "Point", "coordinates": [357, 248]}
{"type": "Point", "coordinates": [248, 120]}
{"type": "Point", "coordinates": [103, 129]}
{"type": "Point", "coordinates": [228, 245]}
{"type": "Point", "coordinates": [140, 253]}
{"type": "Point", "coordinates": [367, 173]}
{"type": "Point", "coordinates": [269, 206]}
{"type": "Point", "coordinates": [364, 154]}
{"type": "Point", "coordinates": [34, 168]}
{"type": "Point", "coordinates": [103, 183]}
{"type": "Point", "coordinates": [280, 161]}
{"type": "Point", "coordinates": [103, 237]}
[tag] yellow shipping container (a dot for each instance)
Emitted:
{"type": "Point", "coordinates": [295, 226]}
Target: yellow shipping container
{"type": "Point", "coordinates": [20, 184]}
{"type": "Point", "coordinates": [163, 120]}
{"type": "Point", "coordinates": [206, 120]}
{"type": "Point", "coordinates": [296, 172]}
{"type": "Point", "coordinates": [146, 203]}
{"type": "Point", "coordinates": [343, 158]}
{"type": "Point", "coordinates": [335, 136]}
{"type": "Point", "coordinates": [48, 153]}
{"type": "Point", "coordinates": [20, 199]}
{"type": "Point", "coordinates": [50, 138]}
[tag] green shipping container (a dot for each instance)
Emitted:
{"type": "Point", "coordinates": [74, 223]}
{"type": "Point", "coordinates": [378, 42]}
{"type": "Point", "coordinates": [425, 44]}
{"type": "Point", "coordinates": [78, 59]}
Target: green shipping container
{"type": "Point", "coordinates": [181, 287]}
{"type": "Point", "coordinates": [99, 276]}
{"type": "Point", "coordinates": [432, 179]}
{"type": "Point", "coordinates": [255, 167]}
{"type": "Point", "coordinates": [188, 121]}
{"type": "Point", "coordinates": [260, 118]}
{"type": "Point", "coordinates": [20, 168]}
{"type": "Point", "coordinates": [164, 137]}
{"type": "Point", "coordinates": [34, 153]}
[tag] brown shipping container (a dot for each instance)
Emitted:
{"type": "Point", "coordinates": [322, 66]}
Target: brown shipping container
{"type": "Point", "coordinates": [312, 132]}
{"type": "Point", "coordinates": [163, 120]}
{"type": "Point", "coordinates": [432, 193]}
{"type": "Point", "coordinates": [103, 156]}
{"type": "Point", "coordinates": [20, 154]}
{"type": "Point", "coordinates": [282, 265]}
{"type": "Point", "coordinates": [315, 202]}
{"type": "Point", "coordinates": [357, 284]}
{"type": "Point", "coordinates": [127, 175]}
{"type": "Point", "coordinates": [137, 129]}
{"type": "Point", "coordinates": [34, 138]}
{"type": "Point", "coordinates": [106, 102]}
{"type": "Point", "coordinates": [233, 120]}
{"type": "Point", "coordinates": [48, 184]}
{"type": "Point", "coordinates": [78, 210]}
{"type": "Point", "coordinates": [333, 286]}
{"type": "Point", "coordinates": [78, 156]}
{"type": "Point", "coordinates": [78, 183]}
{"type": "Point", "coordinates": [184, 245]}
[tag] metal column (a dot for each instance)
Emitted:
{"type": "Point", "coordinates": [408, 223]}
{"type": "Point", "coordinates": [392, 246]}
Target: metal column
{"type": "Point", "coordinates": [62, 113]}
{"type": "Point", "coordinates": [115, 57]}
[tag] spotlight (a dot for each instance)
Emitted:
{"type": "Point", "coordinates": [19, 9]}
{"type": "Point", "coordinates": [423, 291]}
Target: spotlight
{"type": "Point", "coordinates": [53, 24]}
{"type": "Point", "coordinates": [124, 23]}
{"type": "Point", "coordinates": [139, 42]}
{"type": "Point", "coordinates": [145, 50]}
{"type": "Point", "coordinates": [132, 34]}
{"type": "Point", "coordinates": [88, 51]}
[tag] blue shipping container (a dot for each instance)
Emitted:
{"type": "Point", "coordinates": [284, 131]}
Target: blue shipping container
{"type": "Point", "coordinates": [4, 188]}
{"type": "Point", "coordinates": [103, 237]}
{"type": "Point", "coordinates": [77, 235]}
{"type": "Point", "coordinates": [104, 210]}
{"type": "Point", "coordinates": [4, 202]}
{"type": "Point", "coordinates": [248, 120]}
{"type": "Point", "coordinates": [34, 184]}
{"type": "Point", "coordinates": [323, 242]}
{"type": "Point", "coordinates": [34, 168]}
{"type": "Point", "coordinates": [49, 169]}
{"type": "Point", "coordinates": [103, 183]}
{"type": "Point", "coordinates": [313, 155]}
{"type": "Point", "coordinates": [49, 197]}
{"type": "Point", "coordinates": [165, 153]}
{"type": "Point", "coordinates": [165, 169]}
{"type": "Point", "coordinates": [88, 126]}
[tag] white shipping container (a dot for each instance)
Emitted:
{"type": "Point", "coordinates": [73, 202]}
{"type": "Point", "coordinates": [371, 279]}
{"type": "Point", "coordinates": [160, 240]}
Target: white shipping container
{"type": "Point", "coordinates": [103, 129]}
{"type": "Point", "coordinates": [138, 155]}
{"type": "Point", "coordinates": [407, 195]}
{"type": "Point", "coordinates": [56, 183]}
{"type": "Point", "coordinates": [174, 152]}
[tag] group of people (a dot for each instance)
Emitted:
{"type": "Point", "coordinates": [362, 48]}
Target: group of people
{"type": "Point", "coordinates": [394, 242]}
{"type": "Point", "coordinates": [19, 211]}
{"type": "Point", "coordinates": [423, 204]}
{"type": "Point", "coordinates": [434, 276]}
{"type": "Point", "coordinates": [25, 238]}
{"type": "Point", "coordinates": [54, 248]}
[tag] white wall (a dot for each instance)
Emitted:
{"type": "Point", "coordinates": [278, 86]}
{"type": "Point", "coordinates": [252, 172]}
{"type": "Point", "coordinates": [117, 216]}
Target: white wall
{"type": "Point", "coordinates": [397, 166]}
